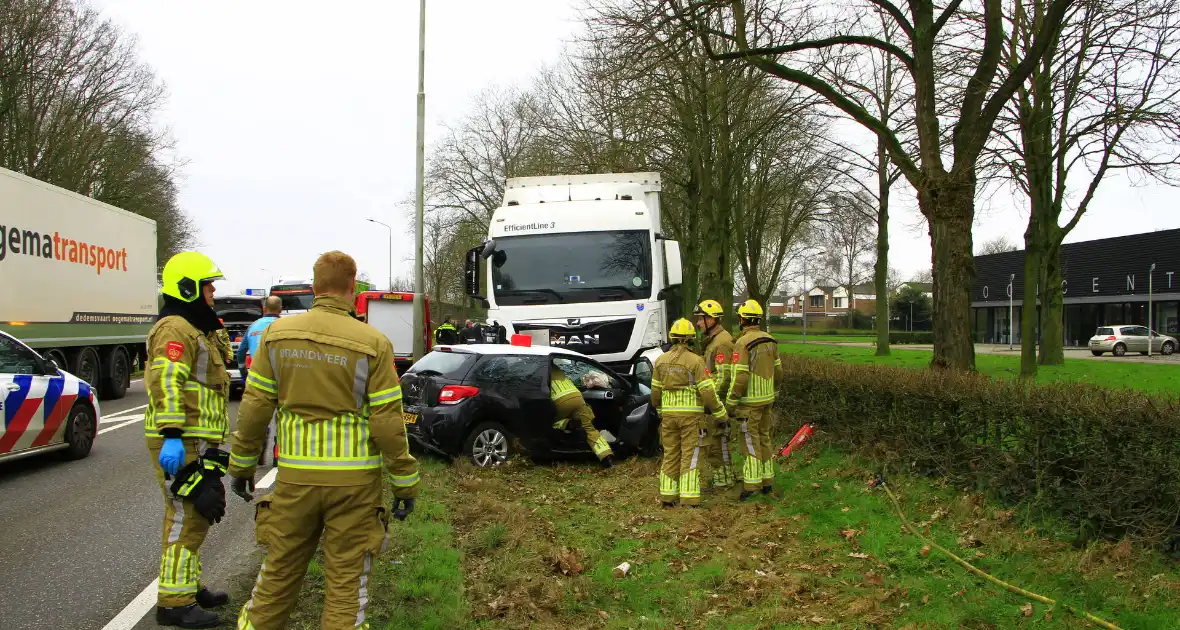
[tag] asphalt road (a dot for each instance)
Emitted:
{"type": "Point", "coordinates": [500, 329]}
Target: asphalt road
{"type": "Point", "coordinates": [81, 539]}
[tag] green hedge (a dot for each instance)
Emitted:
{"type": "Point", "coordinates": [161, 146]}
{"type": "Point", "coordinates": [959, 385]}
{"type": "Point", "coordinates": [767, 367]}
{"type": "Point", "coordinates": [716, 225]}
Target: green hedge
{"type": "Point", "coordinates": [1105, 460]}
{"type": "Point", "coordinates": [915, 336]}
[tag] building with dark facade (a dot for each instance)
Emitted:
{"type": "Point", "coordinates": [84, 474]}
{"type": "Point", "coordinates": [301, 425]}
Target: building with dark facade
{"type": "Point", "coordinates": [1106, 282]}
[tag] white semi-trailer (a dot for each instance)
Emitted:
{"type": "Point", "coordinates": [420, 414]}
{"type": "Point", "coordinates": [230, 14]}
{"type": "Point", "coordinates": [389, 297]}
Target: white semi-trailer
{"type": "Point", "coordinates": [77, 279]}
{"type": "Point", "coordinates": [579, 261]}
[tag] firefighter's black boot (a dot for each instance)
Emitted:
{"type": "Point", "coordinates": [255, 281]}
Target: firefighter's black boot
{"type": "Point", "coordinates": [746, 494]}
{"type": "Point", "coordinates": [211, 599]}
{"type": "Point", "coordinates": [607, 462]}
{"type": "Point", "coordinates": [191, 616]}
{"type": "Point", "coordinates": [767, 489]}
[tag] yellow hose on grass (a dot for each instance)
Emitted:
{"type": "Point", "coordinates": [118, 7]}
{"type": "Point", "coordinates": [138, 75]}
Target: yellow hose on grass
{"type": "Point", "coordinates": [880, 481]}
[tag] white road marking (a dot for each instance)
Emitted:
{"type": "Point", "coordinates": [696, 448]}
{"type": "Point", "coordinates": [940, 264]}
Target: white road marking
{"type": "Point", "coordinates": [138, 380]}
{"type": "Point", "coordinates": [268, 479]}
{"type": "Point", "coordinates": [129, 617]}
{"type": "Point", "coordinates": [120, 426]}
{"type": "Point", "coordinates": [116, 416]}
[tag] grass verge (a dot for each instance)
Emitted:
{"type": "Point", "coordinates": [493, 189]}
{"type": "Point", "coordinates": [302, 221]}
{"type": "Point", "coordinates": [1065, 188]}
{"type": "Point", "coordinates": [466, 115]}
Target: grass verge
{"type": "Point", "coordinates": [1146, 377]}
{"type": "Point", "coordinates": [534, 546]}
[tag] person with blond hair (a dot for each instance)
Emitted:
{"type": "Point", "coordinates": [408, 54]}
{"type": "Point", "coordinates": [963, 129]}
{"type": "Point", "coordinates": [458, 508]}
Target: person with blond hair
{"type": "Point", "coordinates": [330, 382]}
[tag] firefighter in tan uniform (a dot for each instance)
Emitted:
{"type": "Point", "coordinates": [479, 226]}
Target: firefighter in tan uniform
{"type": "Point", "coordinates": [757, 371]}
{"type": "Point", "coordinates": [681, 392]}
{"type": "Point", "coordinates": [571, 405]}
{"type": "Point", "coordinates": [718, 355]}
{"type": "Point", "coordinates": [188, 391]}
{"type": "Point", "coordinates": [330, 383]}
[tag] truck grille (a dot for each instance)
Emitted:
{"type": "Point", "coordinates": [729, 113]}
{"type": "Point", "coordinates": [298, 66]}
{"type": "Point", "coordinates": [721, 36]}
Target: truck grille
{"type": "Point", "coordinates": [593, 338]}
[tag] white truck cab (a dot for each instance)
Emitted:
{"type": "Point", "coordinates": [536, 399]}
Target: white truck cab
{"type": "Point", "coordinates": [579, 261]}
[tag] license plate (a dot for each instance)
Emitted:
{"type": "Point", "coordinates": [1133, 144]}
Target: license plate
{"type": "Point", "coordinates": [410, 418]}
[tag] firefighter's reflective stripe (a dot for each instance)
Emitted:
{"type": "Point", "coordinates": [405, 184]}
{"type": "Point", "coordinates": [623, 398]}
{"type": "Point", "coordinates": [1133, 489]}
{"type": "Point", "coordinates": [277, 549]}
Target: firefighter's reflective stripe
{"type": "Point", "coordinates": [170, 409]}
{"type": "Point", "coordinates": [560, 388]}
{"type": "Point", "coordinates": [404, 481]}
{"type": "Point", "coordinates": [385, 396]}
{"type": "Point", "coordinates": [342, 443]}
{"type": "Point", "coordinates": [256, 380]}
{"type": "Point", "coordinates": [212, 413]}
{"type": "Point", "coordinates": [759, 390]}
{"type": "Point", "coordinates": [244, 462]}
{"type": "Point", "coordinates": [669, 487]}
{"type": "Point", "coordinates": [708, 384]}
{"type": "Point", "coordinates": [683, 400]}
{"type": "Point", "coordinates": [180, 571]}
{"type": "Point", "coordinates": [601, 446]}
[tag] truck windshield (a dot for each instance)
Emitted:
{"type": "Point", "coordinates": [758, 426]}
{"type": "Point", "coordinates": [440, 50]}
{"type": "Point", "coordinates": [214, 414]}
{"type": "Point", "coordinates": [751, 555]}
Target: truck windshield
{"type": "Point", "coordinates": [584, 267]}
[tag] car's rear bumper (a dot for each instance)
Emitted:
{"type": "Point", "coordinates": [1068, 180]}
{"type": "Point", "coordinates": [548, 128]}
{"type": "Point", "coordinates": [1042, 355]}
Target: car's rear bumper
{"type": "Point", "coordinates": [439, 429]}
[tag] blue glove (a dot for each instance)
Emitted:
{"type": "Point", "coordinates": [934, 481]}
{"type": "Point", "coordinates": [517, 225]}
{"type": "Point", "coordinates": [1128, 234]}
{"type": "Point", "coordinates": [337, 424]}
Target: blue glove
{"type": "Point", "coordinates": [172, 455]}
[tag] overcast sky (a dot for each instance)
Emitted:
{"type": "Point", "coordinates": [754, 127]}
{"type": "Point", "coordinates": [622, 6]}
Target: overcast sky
{"type": "Point", "coordinates": [297, 122]}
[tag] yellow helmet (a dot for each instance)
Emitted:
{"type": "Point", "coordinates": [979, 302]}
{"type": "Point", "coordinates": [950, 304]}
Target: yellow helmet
{"type": "Point", "coordinates": [184, 273]}
{"type": "Point", "coordinates": [710, 308]}
{"type": "Point", "coordinates": [683, 329]}
{"type": "Point", "coordinates": [750, 310]}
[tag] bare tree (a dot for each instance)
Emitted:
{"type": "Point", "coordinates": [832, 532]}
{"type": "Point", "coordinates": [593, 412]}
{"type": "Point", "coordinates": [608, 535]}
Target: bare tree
{"type": "Point", "coordinates": [468, 168]}
{"type": "Point", "coordinates": [997, 245]}
{"type": "Point", "coordinates": [1106, 98]}
{"type": "Point", "coordinates": [847, 232]}
{"type": "Point", "coordinates": [76, 110]}
{"type": "Point", "coordinates": [785, 39]}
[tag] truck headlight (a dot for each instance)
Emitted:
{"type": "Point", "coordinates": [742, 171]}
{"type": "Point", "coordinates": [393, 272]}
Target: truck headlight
{"type": "Point", "coordinates": [653, 335]}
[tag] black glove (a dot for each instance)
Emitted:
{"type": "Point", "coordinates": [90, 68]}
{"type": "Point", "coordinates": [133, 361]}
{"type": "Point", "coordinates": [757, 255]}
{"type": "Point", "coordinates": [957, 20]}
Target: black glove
{"type": "Point", "coordinates": [723, 426]}
{"type": "Point", "coordinates": [402, 508]}
{"type": "Point", "coordinates": [200, 484]}
{"type": "Point", "coordinates": [243, 487]}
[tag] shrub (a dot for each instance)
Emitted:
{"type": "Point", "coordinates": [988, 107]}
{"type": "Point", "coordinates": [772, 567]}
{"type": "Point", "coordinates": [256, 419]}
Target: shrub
{"type": "Point", "coordinates": [913, 336]}
{"type": "Point", "coordinates": [1105, 460]}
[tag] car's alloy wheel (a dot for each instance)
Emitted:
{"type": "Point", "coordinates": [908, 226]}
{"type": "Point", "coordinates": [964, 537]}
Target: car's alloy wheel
{"type": "Point", "coordinates": [1119, 350]}
{"type": "Point", "coordinates": [488, 445]}
{"type": "Point", "coordinates": [1168, 348]}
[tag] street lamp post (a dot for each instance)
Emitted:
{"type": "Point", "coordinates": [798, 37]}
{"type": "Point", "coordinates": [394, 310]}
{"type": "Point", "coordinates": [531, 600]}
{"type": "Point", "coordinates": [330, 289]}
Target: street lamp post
{"type": "Point", "coordinates": [420, 200]}
{"type": "Point", "coordinates": [390, 249]}
{"type": "Point", "coordinates": [1150, 334]}
{"type": "Point", "coordinates": [1011, 293]}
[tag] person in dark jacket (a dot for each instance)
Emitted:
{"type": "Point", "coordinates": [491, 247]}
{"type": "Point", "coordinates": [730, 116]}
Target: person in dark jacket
{"type": "Point", "coordinates": [446, 334]}
{"type": "Point", "coordinates": [472, 332]}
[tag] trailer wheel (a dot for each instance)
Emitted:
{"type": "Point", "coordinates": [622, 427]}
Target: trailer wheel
{"type": "Point", "coordinates": [84, 364]}
{"type": "Point", "coordinates": [116, 373]}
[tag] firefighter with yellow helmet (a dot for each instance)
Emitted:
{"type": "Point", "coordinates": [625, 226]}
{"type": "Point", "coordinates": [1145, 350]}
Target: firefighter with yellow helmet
{"type": "Point", "coordinates": [188, 393]}
{"type": "Point", "coordinates": [718, 355]}
{"type": "Point", "coordinates": [330, 382]}
{"type": "Point", "coordinates": [682, 393]}
{"type": "Point", "coordinates": [757, 371]}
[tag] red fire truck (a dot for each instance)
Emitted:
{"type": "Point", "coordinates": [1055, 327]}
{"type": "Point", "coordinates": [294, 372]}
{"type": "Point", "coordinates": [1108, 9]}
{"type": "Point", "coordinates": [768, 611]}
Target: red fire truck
{"type": "Point", "coordinates": [392, 312]}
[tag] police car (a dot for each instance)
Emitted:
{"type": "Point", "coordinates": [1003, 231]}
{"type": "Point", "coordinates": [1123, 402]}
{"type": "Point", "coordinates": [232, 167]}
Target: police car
{"type": "Point", "coordinates": [489, 402]}
{"type": "Point", "coordinates": [44, 408]}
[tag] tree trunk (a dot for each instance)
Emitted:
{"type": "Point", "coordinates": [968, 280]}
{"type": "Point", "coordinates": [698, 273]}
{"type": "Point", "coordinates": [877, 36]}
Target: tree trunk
{"type": "Point", "coordinates": [881, 270]}
{"type": "Point", "coordinates": [1028, 304]}
{"type": "Point", "coordinates": [949, 207]}
{"type": "Point", "coordinates": [1052, 306]}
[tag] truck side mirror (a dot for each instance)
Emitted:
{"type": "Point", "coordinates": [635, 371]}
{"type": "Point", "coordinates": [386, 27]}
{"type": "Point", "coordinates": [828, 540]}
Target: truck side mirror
{"type": "Point", "coordinates": [471, 272]}
{"type": "Point", "coordinates": [489, 247]}
{"type": "Point", "coordinates": [672, 263]}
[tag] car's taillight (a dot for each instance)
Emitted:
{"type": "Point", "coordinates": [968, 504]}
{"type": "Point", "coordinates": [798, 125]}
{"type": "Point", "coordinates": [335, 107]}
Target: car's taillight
{"type": "Point", "coordinates": [455, 394]}
{"type": "Point", "coordinates": [1112, 338]}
